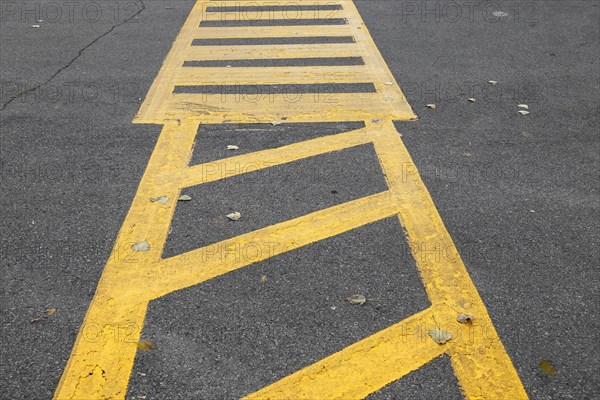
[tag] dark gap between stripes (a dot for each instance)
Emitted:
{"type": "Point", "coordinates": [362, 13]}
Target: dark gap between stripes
{"type": "Point", "coordinates": [278, 62]}
{"type": "Point", "coordinates": [277, 89]}
{"type": "Point", "coordinates": [273, 40]}
{"type": "Point", "coordinates": [273, 22]}
{"type": "Point", "coordinates": [291, 7]}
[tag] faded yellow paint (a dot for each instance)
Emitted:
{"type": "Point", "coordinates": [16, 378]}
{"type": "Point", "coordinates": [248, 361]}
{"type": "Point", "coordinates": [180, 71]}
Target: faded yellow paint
{"type": "Point", "coordinates": [102, 358]}
{"type": "Point", "coordinates": [161, 104]}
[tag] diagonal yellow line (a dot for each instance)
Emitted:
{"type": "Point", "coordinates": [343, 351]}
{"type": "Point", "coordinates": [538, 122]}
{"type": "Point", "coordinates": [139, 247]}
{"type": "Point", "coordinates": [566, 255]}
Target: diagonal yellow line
{"type": "Point", "coordinates": [362, 368]}
{"type": "Point", "coordinates": [232, 166]}
{"type": "Point", "coordinates": [202, 264]}
{"type": "Point", "coordinates": [482, 366]}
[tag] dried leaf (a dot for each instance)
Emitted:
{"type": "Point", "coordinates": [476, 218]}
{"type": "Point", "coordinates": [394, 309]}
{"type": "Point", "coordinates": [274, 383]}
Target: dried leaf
{"type": "Point", "coordinates": [548, 367]}
{"type": "Point", "coordinates": [432, 106]}
{"type": "Point", "coordinates": [493, 82]}
{"type": "Point", "coordinates": [523, 106]}
{"type": "Point", "coordinates": [357, 299]}
{"type": "Point", "coordinates": [37, 319]}
{"type": "Point", "coordinates": [146, 345]}
{"type": "Point", "coordinates": [440, 336]}
{"type": "Point", "coordinates": [263, 279]}
{"type": "Point", "coordinates": [232, 147]}
{"type": "Point", "coordinates": [471, 99]}
{"type": "Point", "coordinates": [141, 246]}
{"type": "Point", "coordinates": [388, 83]}
{"type": "Point", "coordinates": [50, 311]}
{"type": "Point", "coordinates": [161, 199]}
{"type": "Point", "coordinates": [234, 216]}
{"type": "Point", "coordinates": [464, 318]}
{"type": "Point", "coordinates": [277, 122]}
{"type": "Point", "coordinates": [35, 26]}
{"type": "Point", "coordinates": [184, 197]}
{"type": "Point", "coordinates": [141, 374]}
{"type": "Point", "coordinates": [523, 112]}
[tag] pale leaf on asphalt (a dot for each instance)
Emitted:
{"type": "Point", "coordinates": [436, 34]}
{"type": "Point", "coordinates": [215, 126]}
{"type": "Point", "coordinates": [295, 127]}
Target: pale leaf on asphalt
{"type": "Point", "coordinates": [357, 299]}
{"type": "Point", "coordinates": [234, 216]}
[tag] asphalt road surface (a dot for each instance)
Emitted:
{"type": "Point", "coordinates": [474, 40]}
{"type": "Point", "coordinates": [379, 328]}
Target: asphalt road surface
{"type": "Point", "coordinates": [517, 193]}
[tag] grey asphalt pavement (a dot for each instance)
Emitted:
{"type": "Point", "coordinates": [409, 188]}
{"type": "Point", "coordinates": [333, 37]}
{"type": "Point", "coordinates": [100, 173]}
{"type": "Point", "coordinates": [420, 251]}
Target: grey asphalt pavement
{"type": "Point", "coordinates": [519, 195]}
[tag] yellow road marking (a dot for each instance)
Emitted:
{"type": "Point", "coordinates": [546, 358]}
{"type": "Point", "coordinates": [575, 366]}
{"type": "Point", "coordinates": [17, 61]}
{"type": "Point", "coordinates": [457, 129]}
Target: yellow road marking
{"type": "Point", "coordinates": [228, 167]}
{"type": "Point", "coordinates": [364, 367]}
{"type": "Point", "coordinates": [206, 263]}
{"type": "Point", "coordinates": [251, 31]}
{"type": "Point", "coordinates": [272, 14]}
{"type": "Point", "coordinates": [104, 352]}
{"type": "Point", "coordinates": [271, 75]}
{"type": "Point", "coordinates": [479, 360]}
{"type": "Point", "coordinates": [161, 104]}
{"type": "Point", "coordinates": [272, 51]}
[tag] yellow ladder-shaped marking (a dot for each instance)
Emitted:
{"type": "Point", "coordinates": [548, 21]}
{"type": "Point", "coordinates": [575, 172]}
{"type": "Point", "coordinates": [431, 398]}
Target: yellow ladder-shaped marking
{"type": "Point", "coordinates": [102, 358]}
{"type": "Point", "coordinates": [162, 103]}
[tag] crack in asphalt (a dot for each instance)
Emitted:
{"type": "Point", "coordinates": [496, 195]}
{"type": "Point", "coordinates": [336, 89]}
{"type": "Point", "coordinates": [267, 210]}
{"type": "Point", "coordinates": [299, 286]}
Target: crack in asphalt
{"type": "Point", "coordinates": [79, 54]}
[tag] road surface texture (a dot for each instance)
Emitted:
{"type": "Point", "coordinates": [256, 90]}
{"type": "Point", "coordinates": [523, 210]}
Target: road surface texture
{"type": "Point", "coordinates": [331, 204]}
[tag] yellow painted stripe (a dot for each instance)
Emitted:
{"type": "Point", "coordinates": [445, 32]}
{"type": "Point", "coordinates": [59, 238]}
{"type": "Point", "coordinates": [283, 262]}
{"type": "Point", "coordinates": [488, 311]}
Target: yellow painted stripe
{"type": "Point", "coordinates": [267, 15]}
{"type": "Point", "coordinates": [362, 368]}
{"type": "Point", "coordinates": [280, 75]}
{"type": "Point", "coordinates": [271, 75]}
{"type": "Point", "coordinates": [217, 108]}
{"type": "Point", "coordinates": [272, 51]}
{"type": "Point", "coordinates": [481, 364]}
{"type": "Point", "coordinates": [102, 357]}
{"type": "Point", "coordinates": [208, 262]}
{"type": "Point", "coordinates": [232, 166]}
{"type": "Point", "coordinates": [277, 31]}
